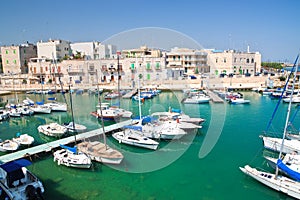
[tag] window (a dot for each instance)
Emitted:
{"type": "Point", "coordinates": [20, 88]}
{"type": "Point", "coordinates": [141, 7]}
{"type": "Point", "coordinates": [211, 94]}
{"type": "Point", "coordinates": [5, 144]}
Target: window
{"type": "Point", "coordinates": [252, 60]}
{"type": "Point", "coordinates": [148, 66]}
{"type": "Point", "coordinates": [247, 60]}
{"type": "Point", "coordinates": [148, 76]}
{"type": "Point", "coordinates": [14, 51]}
{"type": "Point", "coordinates": [178, 57]}
{"type": "Point", "coordinates": [224, 60]}
{"type": "Point", "coordinates": [174, 57]}
{"type": "Point", "coordinates": [216, 60]}
{"type": "Point", "coordinates": [6, 51]}
{"type": "Point", "coordinates": [132, 66]}
{"type": "Point", "coordinates": [15, 61]}
{"type": "Point", "coordinates": [7, 62]}
{"type": "Point", "coordinates": [234, 60]}
{"type": "Point", "coordinates": [157, 65]}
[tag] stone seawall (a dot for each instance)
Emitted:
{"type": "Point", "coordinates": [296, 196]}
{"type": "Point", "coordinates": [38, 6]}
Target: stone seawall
{"type": "Point", "coordinates": [211, 83]}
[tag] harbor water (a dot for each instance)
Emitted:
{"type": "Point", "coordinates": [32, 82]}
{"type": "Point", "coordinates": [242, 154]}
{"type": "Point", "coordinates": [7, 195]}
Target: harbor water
{"type": "Point", "coordinates": [202, 165]}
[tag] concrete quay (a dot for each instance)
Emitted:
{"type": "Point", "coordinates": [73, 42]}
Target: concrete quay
{"type": "Point", "coordinates": [241, 83]}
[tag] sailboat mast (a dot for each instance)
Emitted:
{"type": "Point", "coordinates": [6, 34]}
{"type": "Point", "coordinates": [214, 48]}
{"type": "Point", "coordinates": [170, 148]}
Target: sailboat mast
{"type": "Point", "coordinates": [102, 122]}
{"type": "Point", "coordinates": [288, 113]}
{"type": "Point", "coordinates": [139, 96]}
{"type": "Point", "coordinates": [72, 112]}
{"type": "Point", "coordinates": [118, 68]}
{"type": "Point", "coordinates": [61, 86]}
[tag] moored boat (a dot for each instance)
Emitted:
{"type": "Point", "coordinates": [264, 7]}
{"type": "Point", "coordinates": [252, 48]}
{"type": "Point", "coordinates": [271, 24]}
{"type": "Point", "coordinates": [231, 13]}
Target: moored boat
{"type": "Point", "coordinates": [18, 183]}
{"type": "Point", "coordinates": [100, 152]}
{"type": "Point", "coordinates": [52, 129]}
{"type": "Point", "coordinates": [8, 145]}
{"type": "Point", "coordinates": [70, 157]}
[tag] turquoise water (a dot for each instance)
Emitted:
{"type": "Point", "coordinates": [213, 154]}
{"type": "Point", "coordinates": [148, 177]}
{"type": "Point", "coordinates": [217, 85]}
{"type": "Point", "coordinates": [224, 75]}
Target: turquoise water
{"type": "Point", "coordinates": [175, 171]}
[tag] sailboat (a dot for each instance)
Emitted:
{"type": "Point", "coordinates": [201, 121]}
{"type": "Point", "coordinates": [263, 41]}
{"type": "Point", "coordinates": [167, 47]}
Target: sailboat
{"type": "Point", "coordinates": [133, 135]}
{"type": "Point", "coordinates": [274, 180]}
{"type": "Point", "coordinates": [98, 151]}
{"type": "Point", "coordinates": [71, 156]}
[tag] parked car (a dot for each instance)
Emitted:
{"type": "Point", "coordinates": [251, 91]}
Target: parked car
{"type": "Point", "coordinates": [193, 77]}
{"type": "Point", "coordinates": [247, 74]}
{"type": "Point", "coordinates": [222, 75]}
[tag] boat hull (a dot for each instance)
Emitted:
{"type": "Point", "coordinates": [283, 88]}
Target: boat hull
{"type": "Point", "coordinates": [279, 183]}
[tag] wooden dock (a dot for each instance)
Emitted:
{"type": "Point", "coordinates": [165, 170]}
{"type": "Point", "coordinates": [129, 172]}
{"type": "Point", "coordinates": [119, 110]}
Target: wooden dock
{"type": "Point", "coordinates": [130, 94]}
{"type": "Point", "coordinates": [214, 97]}
{"type": "Point", "coordinates": [48, 147]}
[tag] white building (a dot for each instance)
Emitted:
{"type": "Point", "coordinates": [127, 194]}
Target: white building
{"type": "Point", "coordinates": [105, 51]}
{"type": "Point", "coordinates": [54, 49]}
{"type": "Point", "coordinates": [186, 61]}
{"type": "Point", "coordinates": [94, 50]}
{"type": "Point", "coordinates": [231, 61]}
{"type": "Point", "coordinates": [86, 49]}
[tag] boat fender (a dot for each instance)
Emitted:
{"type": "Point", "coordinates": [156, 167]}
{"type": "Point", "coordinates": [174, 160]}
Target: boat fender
{"type": "Point", "coordinates": [58, 162]}
{"type": "Point", "coordinates": [120, 141]}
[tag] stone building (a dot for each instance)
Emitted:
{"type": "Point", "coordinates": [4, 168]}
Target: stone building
{"type": "Point", "coordinates": [15, 58]}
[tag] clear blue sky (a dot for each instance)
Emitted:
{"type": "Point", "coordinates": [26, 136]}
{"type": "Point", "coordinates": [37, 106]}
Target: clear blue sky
{"type": "Point", "coordinates": [268, 26]}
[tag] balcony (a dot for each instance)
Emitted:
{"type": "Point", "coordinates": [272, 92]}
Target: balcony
{"type": "Point", "coordinates": [75, 71]}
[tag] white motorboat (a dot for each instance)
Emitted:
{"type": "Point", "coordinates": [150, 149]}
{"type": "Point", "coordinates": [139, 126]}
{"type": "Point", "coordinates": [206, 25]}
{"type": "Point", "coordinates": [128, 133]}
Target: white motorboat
{"type": "Point", "coordinates": [14, 112]}
{"type": "Point", "coordinates": [124, 113]}
{"type": "Point", "coordinates": [57, 106]}
{"type": "Point", "coordinates": [70, 157]}
{"type": "Point", "coordinates": [74, 127]}
{"type": "Point", "coordinates": [239, 101]}
{"type": "Point", "coordinates": [167, 130]}
{"type": "Point", "coordinates": [131, 137]}
{"type": "Point", "coordinates": [23, 139]}
{"type": "Point", "coordinates": [52, 129]}
{"type": "Point", "coordinates": [25, 110]}
{"type": "Point", "coordinates": [100, 152]}
{"type": "Point", "coordinates": [18, 183]}
{"type": "Point", "coordinates": [196, 99]}
{"type": "Point", "coordinates": [106, 113]}
{"type": "Point", "coordinates": [8, 145]}
{"type": "Point", "coordinates": [43, 109]}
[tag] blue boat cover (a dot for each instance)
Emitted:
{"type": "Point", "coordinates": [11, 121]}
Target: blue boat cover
{"type": "Point", "coordinates": [52, 98]}
{"type": "Point", "coordinates": [148, 119]}
{"type": "Point", "coordinates": [137, 128]}
{"type": "Point", "coordinates": [72, 149]}
{"type": "Point", "coordinates": [40, 102]}
{"type": "Point", "coordinates": [176, 110]}
{"type": "Point", "coordinates": [15, 165]}
{"type": "Point", "coordinates": [293, 174]}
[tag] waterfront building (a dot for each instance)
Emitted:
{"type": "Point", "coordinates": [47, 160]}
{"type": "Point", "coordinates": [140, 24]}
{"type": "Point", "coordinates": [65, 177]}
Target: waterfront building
{"type": "Point", "coordinates": [15, 58]}
{"type": "Point", "coordinates": [141, 52]}
{"type": "Point", "coordinates": [93, 50]}
{"type": "Point", "coordinates": [54, 49]}
{"type": "Point", "coordinates": [233, 62]}
{"type": "Point", "coordinates": [181, 61]}
{"type": "Point", "coordinates": [105, 51]}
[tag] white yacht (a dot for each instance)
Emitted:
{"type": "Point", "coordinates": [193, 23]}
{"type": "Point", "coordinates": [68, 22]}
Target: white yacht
{"type": "Point", "coordinates": [130, 136]}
